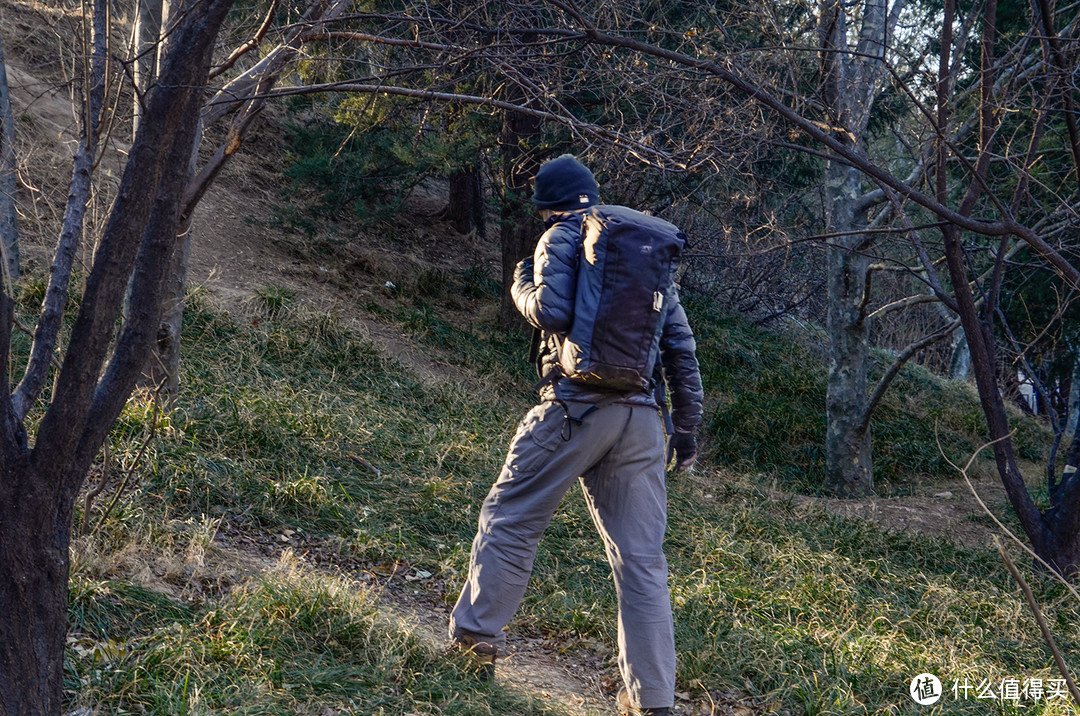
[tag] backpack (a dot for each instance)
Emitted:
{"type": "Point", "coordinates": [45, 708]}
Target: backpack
{"type": "Point", "coordinates": [625, 284]}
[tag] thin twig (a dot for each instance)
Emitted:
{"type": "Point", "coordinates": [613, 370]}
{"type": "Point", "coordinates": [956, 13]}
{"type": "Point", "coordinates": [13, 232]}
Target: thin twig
{"type": "Point", "coordinates": [964, 472]}
{"type": "Point", "coordinates": [361, 461]}
{"type": "Point", "coordinates": [249, 45]}
{"type": "Point", "coordinates": [1034, 606]}
{"type": "Point", "coordinates": [91, 495]}
{"type": "Point", "coordinates": [25, 329]}
{"type": "Point", "coordinates": [136, 461]}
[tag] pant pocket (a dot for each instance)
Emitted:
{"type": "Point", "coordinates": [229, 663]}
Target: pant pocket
{"type": "Point", "coordinates": [539, 433]}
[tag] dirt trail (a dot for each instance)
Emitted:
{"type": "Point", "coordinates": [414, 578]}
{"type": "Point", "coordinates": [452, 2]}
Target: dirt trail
{"type": "Point", "coordinates": [570, 683]}
{"type": "Point", "coordinates": [526, 666]}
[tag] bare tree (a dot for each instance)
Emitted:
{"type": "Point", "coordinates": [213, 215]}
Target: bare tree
{"type": "Point", "coordinates": [39, 484]}
{"type": "Point", "coordinates": [1054, 532]}
{"type": "Point", "coordinates": [240, 102]}
{"type": "Point", "coordinates": [850, 87]}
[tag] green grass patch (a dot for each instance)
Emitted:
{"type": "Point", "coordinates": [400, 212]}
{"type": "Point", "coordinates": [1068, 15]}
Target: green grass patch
{"type": "Point", "coordinates": [826, 615]}
{"type": "Point", "coordinates": [284, 643]}
{"type": "Point", "coordinates": [766, 411]}
{"type": "Point", "coordinates": [299, 424]}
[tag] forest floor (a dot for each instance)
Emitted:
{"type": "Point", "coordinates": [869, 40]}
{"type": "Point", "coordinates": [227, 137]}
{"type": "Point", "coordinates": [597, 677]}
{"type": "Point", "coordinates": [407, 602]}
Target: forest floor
{"type": "Point", "coordinates": [234, 256]}
{"type": "Point", "coordinates": [237, 252]}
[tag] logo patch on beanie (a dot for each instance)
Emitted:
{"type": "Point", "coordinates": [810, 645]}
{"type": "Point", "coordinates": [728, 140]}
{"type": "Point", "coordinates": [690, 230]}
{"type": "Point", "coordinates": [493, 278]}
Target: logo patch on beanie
{"type": "Point", "coordinates": [583, 199]}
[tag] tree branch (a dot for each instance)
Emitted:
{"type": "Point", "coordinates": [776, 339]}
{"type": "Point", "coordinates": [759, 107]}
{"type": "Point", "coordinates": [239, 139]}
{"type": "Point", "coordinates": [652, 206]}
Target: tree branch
{"type": "Point", "coordinates": [239, 90]}
{"type": "Point", "coordinates": [848, 153]}
{"type": "Point", "coordinates": [928, 266]}
{"type": "Point", "coordinates": [1044, 13]}
{"type": "Point", "coordinates": [894, 370]}
{"type": "Point", "coordinates": [9, 232]}
{"type": "Point", "coordinates": [250, 45]}
{"type": "Point", "coordinates": [902, 303]}
{"type": "Point", "coordinates": [1043, 627]}
{"type": "Point", "coordinates": [56, 294]}
{"type": "Point", "coordinates": [609, 136]}
{"type": "Point", "coordinates": [209, 172]}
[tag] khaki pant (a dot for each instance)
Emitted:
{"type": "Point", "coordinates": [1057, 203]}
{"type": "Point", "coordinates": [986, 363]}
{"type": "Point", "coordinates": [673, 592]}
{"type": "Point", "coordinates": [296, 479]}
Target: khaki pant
{"type": "Point", "coordinates": [617, 451]}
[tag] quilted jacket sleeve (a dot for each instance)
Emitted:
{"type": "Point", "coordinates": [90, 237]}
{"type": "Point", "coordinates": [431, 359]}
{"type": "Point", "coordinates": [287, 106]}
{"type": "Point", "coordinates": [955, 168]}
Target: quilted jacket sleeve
{"type": "Point", "coordinates": [679, 360]}
{"type": "Point", "coordinates": [544, 286]}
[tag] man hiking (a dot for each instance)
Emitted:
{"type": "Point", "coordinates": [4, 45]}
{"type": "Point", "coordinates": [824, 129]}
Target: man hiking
{"type": "Point", "coordinates": [597, 424]}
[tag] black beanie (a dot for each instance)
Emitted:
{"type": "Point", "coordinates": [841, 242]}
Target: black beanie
{"type": "Point", "coordinates": [565, 184]}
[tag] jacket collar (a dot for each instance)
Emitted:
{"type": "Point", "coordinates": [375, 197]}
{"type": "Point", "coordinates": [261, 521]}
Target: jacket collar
{"type": "Point", "coordinates": [561, 216]}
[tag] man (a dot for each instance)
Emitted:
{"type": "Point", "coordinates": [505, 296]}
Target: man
{"type": "Point", "coordinates": [613, 442]}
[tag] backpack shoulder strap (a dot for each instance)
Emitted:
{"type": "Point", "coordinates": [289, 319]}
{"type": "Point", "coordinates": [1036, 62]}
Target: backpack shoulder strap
{"type": "Point", "coordinates": [534, 349]}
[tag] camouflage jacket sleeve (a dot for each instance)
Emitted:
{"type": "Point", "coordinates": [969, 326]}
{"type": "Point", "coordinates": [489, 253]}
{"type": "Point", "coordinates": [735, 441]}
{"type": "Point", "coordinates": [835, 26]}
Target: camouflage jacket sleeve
{"type": "Point", "coordinates": [544, 287]}
{"type": "Point", "coordinates": [680, 366]}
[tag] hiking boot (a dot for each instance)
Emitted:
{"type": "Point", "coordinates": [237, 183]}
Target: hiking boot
{"type": "Point", "coordinates": [482, 653]}
{"type": "Point", "coordinates": [625, 709]}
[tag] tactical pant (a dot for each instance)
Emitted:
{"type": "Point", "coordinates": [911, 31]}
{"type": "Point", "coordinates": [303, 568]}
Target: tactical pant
{"type": "Point", "coordinates": [617, 451]}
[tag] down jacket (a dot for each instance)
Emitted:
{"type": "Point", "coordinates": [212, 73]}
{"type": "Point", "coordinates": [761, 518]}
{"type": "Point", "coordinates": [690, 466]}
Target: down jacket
{"type": "Point", "coordinates": [543, 291]}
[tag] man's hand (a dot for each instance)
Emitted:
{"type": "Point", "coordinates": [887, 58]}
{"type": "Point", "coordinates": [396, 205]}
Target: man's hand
{"type": "Point", "coordinates": [683, 447]}
{"type": "Point", "coordinates": [524, 269]}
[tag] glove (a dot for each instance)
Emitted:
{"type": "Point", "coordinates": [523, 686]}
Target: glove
{"type": "Point", "coordinates": [683, 447]}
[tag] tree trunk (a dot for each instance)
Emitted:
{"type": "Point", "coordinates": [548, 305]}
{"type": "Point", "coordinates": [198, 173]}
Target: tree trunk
{"type": "Point", "coordinates": [162, 371]}
{"type": "Point", "coordinates": [34, 529]}
{"type": "Point", "coordinates": [1072, 417]}
{"type": "Point", "coordinates": [850, 84]}
{"type": "Point", "coordinates": [39, 486]}
{"type": "Point", "coordinates": [150, 16]}
{"type": "Point", "coordinates": [1055, 534]}
{"type": "Point", "coordinates": [520, 227]}
{"type": "Point", "coordinates": [849, 470]}
{"type": "Point", "coordinates": [246, 96]}
{"type": "Point", "coordinates": [466, 211]}
{"type": "Point", "coordinates": [960, 365]}
{"type": "Point", "coordinates": [9, 235]}
{"type": "Point", "coordinates": [33, 593]}
{"type": "Point", "coordinates": [148, 24]}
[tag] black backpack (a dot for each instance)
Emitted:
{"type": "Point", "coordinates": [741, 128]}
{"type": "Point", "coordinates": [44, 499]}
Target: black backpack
{"type": "Point", "coordinates": [624, 287]}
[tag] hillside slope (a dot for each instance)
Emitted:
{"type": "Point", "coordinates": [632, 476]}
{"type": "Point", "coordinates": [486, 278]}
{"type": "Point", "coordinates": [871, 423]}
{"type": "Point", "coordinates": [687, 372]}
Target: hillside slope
{"type": "Point", "coordinates": [291, 538]}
